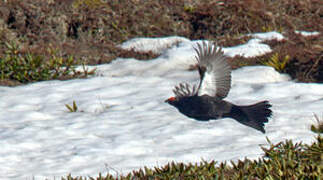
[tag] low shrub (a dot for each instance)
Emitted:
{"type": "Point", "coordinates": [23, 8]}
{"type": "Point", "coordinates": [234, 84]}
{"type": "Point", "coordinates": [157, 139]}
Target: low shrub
{"type": "Point", "coordinates": [284, 160]}
{"type": "Point", "coordinates": [27, 67]}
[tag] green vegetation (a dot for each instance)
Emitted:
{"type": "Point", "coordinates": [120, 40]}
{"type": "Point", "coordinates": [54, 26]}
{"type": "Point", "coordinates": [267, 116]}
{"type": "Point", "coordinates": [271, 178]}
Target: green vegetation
{"type": "Point", "coordinates": [27, 67]}
{"type": "Point", "coordinates": [277, 62]}
{"type": "Point", "coordinates": [72, 108]}
{"type": "Point", "coordinates": [317, 128]}
{"type": "Point", "coordinates": [284, 160]}
{"type": "Point", "coordinates": [269, 29]}
{"type": "Point", "coordinates": [89, 3]}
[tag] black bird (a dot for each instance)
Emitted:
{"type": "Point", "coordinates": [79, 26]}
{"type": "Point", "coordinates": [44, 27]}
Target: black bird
{"type": "Point", "coordinates": [205, 101]}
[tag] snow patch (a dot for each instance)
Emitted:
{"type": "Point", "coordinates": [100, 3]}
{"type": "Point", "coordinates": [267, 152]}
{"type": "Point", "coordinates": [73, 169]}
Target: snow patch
{"type": "Point", "coordinates": [125, 124]}
{"type": "Point", "coordinates": [305, 33]}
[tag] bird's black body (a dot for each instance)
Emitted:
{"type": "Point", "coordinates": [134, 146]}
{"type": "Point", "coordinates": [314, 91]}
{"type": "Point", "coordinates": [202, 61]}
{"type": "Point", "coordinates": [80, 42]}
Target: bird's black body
{"type": "Point", "coordinates": [204, 108]}
{"type": "Point", "coordinates": [205, 101]}
{"type": "Point", "coordinates": [199, 107]}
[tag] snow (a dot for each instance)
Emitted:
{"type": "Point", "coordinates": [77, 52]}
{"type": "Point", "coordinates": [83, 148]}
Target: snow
{"type": "Point", "coordinates": [268, 36]}
{"type": "Point", "coordinates": [123, 123]}
{"type": "Point", "coordinates": [156, 45]}
{"type": "Point", "coordinates": [306, 33]}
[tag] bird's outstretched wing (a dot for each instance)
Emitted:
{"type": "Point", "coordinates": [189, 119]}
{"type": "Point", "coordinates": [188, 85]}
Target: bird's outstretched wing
{"type": "Point", "coordinates": [215, 72]}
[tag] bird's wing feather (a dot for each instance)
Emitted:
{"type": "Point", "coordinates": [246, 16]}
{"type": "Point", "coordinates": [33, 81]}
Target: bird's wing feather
{"type": "Point", "coordinates": [215, 72]}
{"type": "Point", "coordinates": [184, 90]}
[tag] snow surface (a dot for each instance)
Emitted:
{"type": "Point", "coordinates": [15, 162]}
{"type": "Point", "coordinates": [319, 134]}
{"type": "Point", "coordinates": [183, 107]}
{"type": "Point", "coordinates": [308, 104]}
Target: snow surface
{"type": "Point", "coordinates": [305, 33]}
{"type": "Point", "coordinates": [123, 123]}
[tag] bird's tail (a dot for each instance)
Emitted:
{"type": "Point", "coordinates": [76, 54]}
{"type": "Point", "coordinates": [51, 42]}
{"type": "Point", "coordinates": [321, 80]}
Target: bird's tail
{"type": "Point", "coordinates": [254, 116]}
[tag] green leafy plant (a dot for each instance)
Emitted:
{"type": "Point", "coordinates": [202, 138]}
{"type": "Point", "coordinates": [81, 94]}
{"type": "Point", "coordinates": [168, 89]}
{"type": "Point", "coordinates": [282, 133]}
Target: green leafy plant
{"type": "Point", "coordinates": [27, 67]}
{"type": "Point", "coordinates": [276, 62]}
{"type": "Point", "coordinates": [72, 108]}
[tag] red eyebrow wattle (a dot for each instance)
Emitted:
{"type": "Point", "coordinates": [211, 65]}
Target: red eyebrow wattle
{"type": "Point", "coordinates": [171, 99]}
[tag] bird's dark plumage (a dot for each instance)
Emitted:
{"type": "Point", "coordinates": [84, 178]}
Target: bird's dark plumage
{"type": "Point", "coordinates": [205, 101]}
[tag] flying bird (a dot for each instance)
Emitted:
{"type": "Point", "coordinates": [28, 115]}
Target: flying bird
{"type": "Point", "coordinates": [205, 101]}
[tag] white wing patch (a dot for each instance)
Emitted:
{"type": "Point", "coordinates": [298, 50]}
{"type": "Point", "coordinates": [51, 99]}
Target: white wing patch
{"type": "Point", "coordinates": [215, 72]}
{"type": "Point", "coordinates": [207, 85]}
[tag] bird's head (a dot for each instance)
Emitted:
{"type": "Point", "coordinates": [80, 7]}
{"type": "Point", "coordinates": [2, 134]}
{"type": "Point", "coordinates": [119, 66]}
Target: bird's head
{"type": "Point", "coordinates": [171, 100]}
